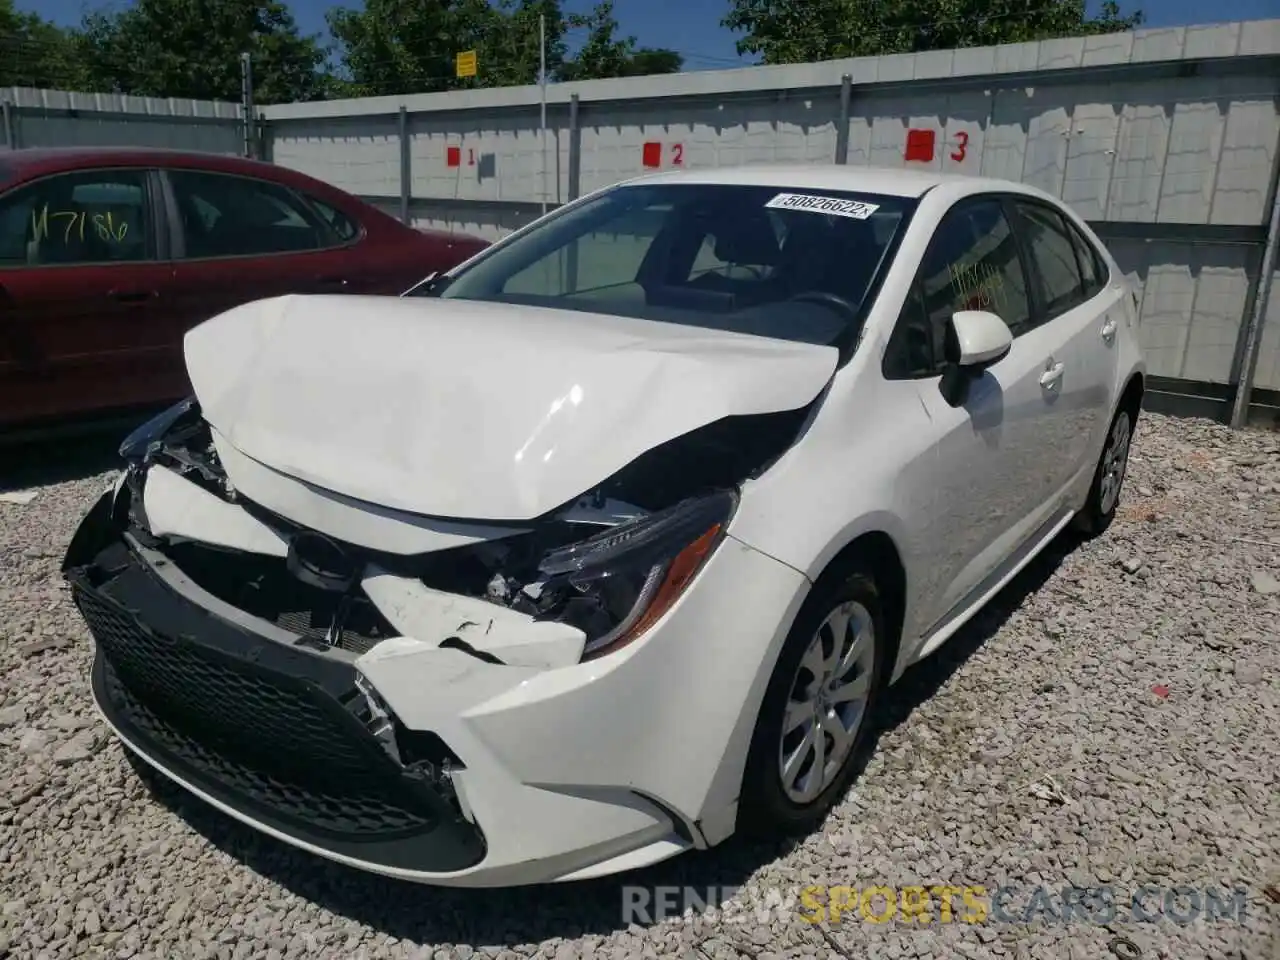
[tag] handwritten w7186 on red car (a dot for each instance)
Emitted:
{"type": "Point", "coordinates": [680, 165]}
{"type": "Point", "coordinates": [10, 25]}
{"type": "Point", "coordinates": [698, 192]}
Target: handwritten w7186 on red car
{"type": "Point", "coordinates": [109, 255]}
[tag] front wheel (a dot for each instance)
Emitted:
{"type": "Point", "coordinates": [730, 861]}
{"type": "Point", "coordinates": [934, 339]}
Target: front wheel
{"type": "Point", "coordinates": [1104, 493]}
{"type": "Point", "coordinates": [817, 710]}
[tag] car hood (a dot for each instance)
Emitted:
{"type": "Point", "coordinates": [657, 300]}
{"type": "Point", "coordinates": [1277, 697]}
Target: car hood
{"type": "Point", "coordinates": [462, 409]}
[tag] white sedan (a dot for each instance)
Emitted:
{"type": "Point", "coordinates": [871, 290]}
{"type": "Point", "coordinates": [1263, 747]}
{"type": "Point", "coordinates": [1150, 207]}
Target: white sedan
{"type": "Point", "coordinates": [608, 543]}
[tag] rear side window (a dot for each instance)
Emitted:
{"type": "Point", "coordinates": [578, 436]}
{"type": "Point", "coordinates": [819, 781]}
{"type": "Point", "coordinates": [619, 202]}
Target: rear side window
{"type": "Point", "coordinates": [232, 216]}
{"type": "Point", "coordinates": [343, 227]}
{"type": "Point", "coordinates": [90, 217]}
{"type": "Point", "coordinates": [1053, 259]}
{"type": "Point", "coordinates": [1093, 269]}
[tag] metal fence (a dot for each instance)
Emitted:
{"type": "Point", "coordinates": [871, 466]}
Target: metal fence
{"type": "Point", "coordinates": [1167, 141]}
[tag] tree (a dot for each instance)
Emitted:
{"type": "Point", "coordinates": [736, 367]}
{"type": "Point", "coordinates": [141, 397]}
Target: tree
{"type": "Point", "coordinates": [35, 53]}
{"type": "Point", "coordinates": [803, 31]}
{"type": "Point", "coordinates": [603, 54]}
{"type": "Point", "coordinates": [410, 46]}
{"type": "Point", "coordinates": [192, 48]}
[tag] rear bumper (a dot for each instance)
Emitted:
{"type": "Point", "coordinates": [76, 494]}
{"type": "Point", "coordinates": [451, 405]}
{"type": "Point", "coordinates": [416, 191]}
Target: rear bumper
{"type": "Point", "coordinates": [552, 773]}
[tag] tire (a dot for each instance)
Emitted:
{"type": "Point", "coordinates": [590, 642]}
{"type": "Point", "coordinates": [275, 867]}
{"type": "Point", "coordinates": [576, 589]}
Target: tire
{"type": "Point", "coordinates": [1108, 477]}
{"type": "Point", "coordinates": [766, 807]}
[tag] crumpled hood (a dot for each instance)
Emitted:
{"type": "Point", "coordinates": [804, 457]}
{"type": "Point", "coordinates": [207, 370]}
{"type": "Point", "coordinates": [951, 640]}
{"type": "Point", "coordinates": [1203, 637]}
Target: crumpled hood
{"type": "Point", "coordinates": [459, 409]}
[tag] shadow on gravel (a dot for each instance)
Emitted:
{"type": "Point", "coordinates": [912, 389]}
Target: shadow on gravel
{"type": "Point", "coordinates": [478, 918]}
{"type": "Point", "coordinates": [65, 456]}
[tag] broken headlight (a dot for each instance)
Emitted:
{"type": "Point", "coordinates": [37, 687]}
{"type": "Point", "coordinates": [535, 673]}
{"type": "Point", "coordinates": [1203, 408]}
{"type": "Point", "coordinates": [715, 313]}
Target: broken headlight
{"type": "Point", "coordinates": [615, 585]}
{"type": "Point", "coordinates": [145, 440]}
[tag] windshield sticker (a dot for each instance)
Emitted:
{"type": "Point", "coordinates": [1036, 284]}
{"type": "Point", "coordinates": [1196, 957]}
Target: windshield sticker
{"type": "Point", "coordinates": [832, 205]}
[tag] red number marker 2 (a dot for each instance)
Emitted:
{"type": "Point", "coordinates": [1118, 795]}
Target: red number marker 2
{"type": "Point", "coordinates": [678, 154]}
{"type": "Point", "coordinates": [960, 154]}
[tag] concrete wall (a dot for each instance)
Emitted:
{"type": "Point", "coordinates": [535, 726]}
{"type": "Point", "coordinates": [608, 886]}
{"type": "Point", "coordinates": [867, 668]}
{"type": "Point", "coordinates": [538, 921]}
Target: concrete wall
{"type": "Point", "coordinates": [53, 118]}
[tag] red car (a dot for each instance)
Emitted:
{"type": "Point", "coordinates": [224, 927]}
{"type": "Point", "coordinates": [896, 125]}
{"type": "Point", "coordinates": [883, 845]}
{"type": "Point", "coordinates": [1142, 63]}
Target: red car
{"type": "Point", "coordinates": [108, 256]}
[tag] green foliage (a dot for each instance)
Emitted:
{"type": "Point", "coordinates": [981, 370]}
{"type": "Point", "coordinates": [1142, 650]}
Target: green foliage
{"type": "Point", "coordinates": [603, 54]}
{"type": "Point", "coordinates": [409, 46]}
{"type": "Point", "coordinates": [191, 48]}
{"type": "Point", "coordinates": [803, 31]}
{"type": "Point", "coordinates": [35, 53]}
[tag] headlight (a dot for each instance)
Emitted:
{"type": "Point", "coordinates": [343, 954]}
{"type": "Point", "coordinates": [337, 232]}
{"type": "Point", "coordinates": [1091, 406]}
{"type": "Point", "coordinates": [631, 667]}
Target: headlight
{"type": "Point", "coordinates": [616, 584]}
{"type": "Point", "coordinates": [145, 439]}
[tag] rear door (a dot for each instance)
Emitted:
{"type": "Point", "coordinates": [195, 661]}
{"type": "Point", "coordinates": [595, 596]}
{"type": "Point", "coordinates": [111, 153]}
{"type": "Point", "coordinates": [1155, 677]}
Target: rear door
{"type": "Point", "coordinates": [1081, 314]}
{"type": "Point", "coordinates": [85, 291]}
{"type": "Point", "coordinates": [240, 239]}
{"type": "Point", "coordinates": [990, 466]}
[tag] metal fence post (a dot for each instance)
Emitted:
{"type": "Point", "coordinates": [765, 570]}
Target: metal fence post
{"type": "Point", "coordinates": [1258, 316]}
{"type": "Point", "coordinates": [265, 151]}
{"type": "Point", "coordinates": [406, 166]}
{"type": "Point", "coordinates": [246, 102]}
{"type": "Point", "coordinates": [575, 152]}
{"type": "Point", "coordinates": [842, 128]}
{"type": "Point", "coordinates": [10, 134]}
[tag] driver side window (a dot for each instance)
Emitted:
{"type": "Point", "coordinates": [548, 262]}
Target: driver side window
{"type": "Point", "coordinates": [972, 263]}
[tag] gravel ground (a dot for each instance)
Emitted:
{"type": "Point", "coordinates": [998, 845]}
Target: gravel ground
{"type": "Point", "coordinates": [1111, 720]}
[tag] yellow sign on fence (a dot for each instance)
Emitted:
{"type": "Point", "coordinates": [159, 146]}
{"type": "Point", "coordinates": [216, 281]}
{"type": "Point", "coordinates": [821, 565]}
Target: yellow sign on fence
{"type": "Point", "coordinates": [467, 63]}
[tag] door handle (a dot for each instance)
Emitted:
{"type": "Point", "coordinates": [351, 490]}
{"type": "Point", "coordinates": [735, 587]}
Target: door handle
{"type": "Point", "coordinates": [1109, 329]}
{"type": "Point", "coordinates": [132, 297]}
{"type": "Point", "coordinates": [1052, 374]}
{"type": "Point", "coordinates": [332, 282]}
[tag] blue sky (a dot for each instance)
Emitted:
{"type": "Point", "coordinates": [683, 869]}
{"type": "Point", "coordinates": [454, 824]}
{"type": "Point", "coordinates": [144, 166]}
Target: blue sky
{"type": "Point", "coordinates": [693, 26]}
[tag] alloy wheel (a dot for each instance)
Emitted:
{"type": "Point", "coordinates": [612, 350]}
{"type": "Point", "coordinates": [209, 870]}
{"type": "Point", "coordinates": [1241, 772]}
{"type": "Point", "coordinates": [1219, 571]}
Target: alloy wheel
{"type": "Point", "coordinates": [828, 702]}
{"type": "Point", "coordinates": [1115, 461]}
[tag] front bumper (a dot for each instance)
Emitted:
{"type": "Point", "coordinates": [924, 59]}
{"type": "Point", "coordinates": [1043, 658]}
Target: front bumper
{"type": "Point", "coordinates": [273, 732]}
{"type": "Point", "coordinates": [556, 774]}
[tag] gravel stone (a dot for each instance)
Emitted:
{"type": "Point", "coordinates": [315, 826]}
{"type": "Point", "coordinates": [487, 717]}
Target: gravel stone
{"type": "Point", "coordinates": [80, 747]}
{"type": "Point", "coordinates": [1030, 751]}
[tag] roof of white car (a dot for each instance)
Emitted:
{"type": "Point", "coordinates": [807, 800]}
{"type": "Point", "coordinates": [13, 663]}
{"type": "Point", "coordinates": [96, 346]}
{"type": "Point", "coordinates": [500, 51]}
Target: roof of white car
{"type": "Point", "coordinates": [883, 180]}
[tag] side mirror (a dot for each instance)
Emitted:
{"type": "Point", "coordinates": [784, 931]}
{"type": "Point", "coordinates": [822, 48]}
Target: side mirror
{"type": "Point", "coordinates": [975, 340]}
{"type": "Point", "coordinates": [979, 339]}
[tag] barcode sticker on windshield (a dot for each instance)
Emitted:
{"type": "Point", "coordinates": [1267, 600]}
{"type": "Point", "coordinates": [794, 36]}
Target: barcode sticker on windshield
{"type": "Point", "coordinates": [832, 205]}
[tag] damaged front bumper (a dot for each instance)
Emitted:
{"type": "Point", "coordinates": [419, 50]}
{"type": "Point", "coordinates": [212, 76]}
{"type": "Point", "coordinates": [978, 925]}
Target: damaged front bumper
{"type": "Point", "coordinates": [237, 712]}
{"type": "Point", "coordinates": [412, 758]}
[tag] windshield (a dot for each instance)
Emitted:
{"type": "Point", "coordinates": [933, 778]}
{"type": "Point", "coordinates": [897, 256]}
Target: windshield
{"type": "Point", "coordinates": [788, 264]}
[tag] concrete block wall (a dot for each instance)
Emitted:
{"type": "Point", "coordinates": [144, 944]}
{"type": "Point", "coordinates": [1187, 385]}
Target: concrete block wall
{"type": "Point", "coordinates": [55, 118]}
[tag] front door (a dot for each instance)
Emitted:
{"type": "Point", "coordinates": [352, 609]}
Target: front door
{"type": "Point", "coordinates": [84, 297]}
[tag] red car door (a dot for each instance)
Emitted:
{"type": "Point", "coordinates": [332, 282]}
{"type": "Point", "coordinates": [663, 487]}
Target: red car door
{"type": "Point", "coordinates": [84, 296]}
{"type": "Point", "coordinates": [241, 238]}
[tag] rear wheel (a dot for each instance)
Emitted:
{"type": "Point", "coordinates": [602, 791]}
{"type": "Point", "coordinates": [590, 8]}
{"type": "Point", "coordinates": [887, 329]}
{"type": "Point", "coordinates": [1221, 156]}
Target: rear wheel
{"type": "Point", "coordinates": [817, 710]}
{"type": "Point", "coordinates": [1104, 493]}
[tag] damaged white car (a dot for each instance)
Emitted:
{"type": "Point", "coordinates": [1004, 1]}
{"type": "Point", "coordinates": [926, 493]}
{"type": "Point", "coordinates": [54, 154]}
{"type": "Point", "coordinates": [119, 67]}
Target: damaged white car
{"type": "Point", "coordinates": [606, 544]}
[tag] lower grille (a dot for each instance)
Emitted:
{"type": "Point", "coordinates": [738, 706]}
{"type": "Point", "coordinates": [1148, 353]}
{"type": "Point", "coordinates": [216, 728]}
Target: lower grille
{"type": "Point", "coordinates": [334, 808]}
{"type": "Point", "coordinates": [275, 732]}
{"type": "Point", "coordinates": [223, 703]}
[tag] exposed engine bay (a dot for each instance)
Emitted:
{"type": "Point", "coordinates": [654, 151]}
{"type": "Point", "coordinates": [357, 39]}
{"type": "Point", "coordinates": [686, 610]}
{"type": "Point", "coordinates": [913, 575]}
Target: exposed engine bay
{"type": "Point", "coordinates": [596, 569]}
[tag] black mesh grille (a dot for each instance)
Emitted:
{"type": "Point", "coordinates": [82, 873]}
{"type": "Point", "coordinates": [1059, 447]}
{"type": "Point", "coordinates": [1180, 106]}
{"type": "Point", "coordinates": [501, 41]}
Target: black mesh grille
{"type": "Point", "coordinates": [274, 740]}
{"type": "Point", "coordinates": [217, 700]}
{"type": "Point", "coordinates": [332, 810]}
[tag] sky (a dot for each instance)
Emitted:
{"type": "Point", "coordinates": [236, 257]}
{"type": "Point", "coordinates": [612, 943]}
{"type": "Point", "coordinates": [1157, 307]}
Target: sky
{"type": "Point", "coordinates": [692, 27]}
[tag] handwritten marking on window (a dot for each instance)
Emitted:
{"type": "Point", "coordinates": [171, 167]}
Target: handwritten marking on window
{"type": "Point", "coordinates": [979, 286]}
{"type": "Point", "coordinates": [73, 223]}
